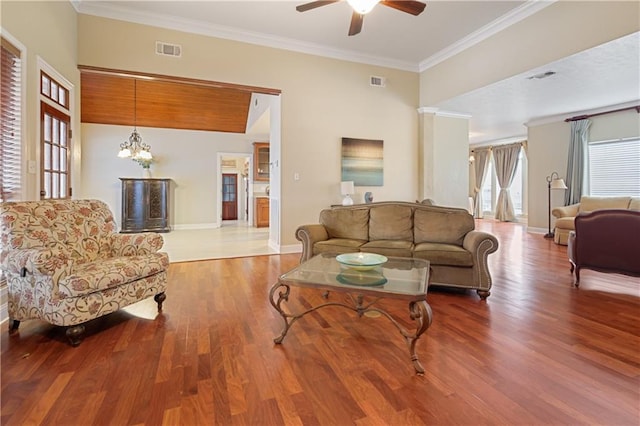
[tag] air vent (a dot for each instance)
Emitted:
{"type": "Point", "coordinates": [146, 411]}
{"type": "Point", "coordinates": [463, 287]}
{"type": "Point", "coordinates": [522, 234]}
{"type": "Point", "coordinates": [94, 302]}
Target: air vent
{"type": "Point", "coordinates": [377, 81]}
{"type": "Point", "coordinates": [541, 75]}
{"type": "Point", "coordinates": [167, 49]}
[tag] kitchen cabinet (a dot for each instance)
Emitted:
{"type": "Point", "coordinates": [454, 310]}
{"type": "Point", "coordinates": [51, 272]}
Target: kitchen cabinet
{"type": "Point", "coordinates": [262, 212]}
{"type": "Point", "coordinates": [261, 164]}
{"type": "Point", "coordinates": [145, 205]}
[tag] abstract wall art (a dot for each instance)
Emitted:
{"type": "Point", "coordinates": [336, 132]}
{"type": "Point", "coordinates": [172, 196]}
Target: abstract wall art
{"type": "Point", "coordinates": [362, 161]}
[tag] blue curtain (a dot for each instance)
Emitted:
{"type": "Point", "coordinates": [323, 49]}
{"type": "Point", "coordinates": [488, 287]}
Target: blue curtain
{"type": "Point", "coordinates": [576, 160]}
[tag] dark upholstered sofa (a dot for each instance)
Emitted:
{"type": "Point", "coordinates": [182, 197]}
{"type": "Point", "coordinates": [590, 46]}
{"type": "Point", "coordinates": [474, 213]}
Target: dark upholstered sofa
{"type": "Point", "coordinates": [443, 235]}
{"type": "Point", "coordinates": [606, 241]}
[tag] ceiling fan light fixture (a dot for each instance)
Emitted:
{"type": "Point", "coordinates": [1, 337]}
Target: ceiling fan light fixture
{"type": "Point", "coordinates": [363, 6]}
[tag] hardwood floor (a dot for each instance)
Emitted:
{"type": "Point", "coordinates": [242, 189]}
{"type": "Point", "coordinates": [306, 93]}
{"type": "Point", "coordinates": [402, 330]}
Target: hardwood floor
{"type": "Point", "coordinates": [538, 351]}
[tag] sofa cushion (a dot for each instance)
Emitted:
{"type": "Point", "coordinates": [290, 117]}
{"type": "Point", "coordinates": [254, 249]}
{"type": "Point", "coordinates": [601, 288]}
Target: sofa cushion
{"type": "Point", "coordinates": [109, 273]}
{"type": "Point", "coordinates": [565, 223]}
{"type": "Point", "coordinates": [391, 223]}
{"type": "Point", "coordinates": [589, 204]}
{"type": "Point", "coordinates": [351, 224]}
{"type": "Point", "coordinates": [634, 204]}
{"type": "Point", "coordinates": [441, 226]}
{"type": "Point", "coordinates": [337, 245]}
{"type": "Point", "coordinates": [443, 254]}
{"type": "Point", "coordinates": [397, 248]}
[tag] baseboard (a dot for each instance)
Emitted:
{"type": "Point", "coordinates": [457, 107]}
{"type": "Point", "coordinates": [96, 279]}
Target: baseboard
{"type": "Point", "coordinates": [195, 226]}
{"type": "Point", "coordinates": [292, 248]}
{"type": "Point", "coordinates": [537, 230]}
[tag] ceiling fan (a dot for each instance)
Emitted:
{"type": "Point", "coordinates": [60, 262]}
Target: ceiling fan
{"type": "Point", "coordinates": [362, 7]}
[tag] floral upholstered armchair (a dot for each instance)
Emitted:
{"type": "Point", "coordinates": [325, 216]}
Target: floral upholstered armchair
{"type": "Point", "coordinates": [65, 264]}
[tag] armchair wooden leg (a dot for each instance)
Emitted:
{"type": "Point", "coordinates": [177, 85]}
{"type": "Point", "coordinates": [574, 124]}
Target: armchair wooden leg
{"type": "Point", "coordinates": [13, 326]}
{"type": "Point", "coordinates": [159, 298]}
{"type": "Point", "coordinates": [75, 334]}
{"type": "Point", "coordinates": [483, 294]}
{"type": "Point", "coordinates": [577, 281]}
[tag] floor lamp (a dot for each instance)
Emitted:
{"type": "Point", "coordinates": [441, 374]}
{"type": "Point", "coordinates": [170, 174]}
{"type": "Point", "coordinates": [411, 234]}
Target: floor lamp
{"type": "Point", "coordinates": [554, 181]}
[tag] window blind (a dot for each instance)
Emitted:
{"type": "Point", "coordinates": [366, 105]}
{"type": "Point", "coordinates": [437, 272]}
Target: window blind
{"type": "Point", "coordinates": [10, 116]}
{"type": "Point", "coordinates": [614, 168]}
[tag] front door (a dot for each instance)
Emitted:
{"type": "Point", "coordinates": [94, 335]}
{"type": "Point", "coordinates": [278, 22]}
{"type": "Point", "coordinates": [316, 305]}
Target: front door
{"type": "Point", "coordinates": [229, 196]}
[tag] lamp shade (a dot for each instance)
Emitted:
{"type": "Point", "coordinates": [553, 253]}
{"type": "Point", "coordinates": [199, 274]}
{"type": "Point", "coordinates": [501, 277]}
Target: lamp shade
{"type": "Point", "coordinates": [347, 188]}
{"type": "Point", "coordinates": [558, 184]}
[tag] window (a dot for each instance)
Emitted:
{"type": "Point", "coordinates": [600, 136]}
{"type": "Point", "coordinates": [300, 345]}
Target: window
{"type": "Point", "coordinates": [614, 168]}
{"type": "Point", "coordinates": [55, 179]}
{"type": "Point", "coordinates": [491, 188]}
{"type": "Point", "coordinates": [489, 195]}
{"type": "Point", "coordinates": [54, 91]}
{"type": "Point", "coordinates": [55, 154]}
{"type": "Point", "coordinates": [10, 116]}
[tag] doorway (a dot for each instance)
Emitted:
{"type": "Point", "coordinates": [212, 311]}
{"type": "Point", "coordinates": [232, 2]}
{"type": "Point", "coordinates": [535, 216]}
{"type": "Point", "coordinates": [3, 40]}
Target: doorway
{"type": "Point", "coordinates": [229, 196]}
{"type": "Point", "coordinates": [232, 189]}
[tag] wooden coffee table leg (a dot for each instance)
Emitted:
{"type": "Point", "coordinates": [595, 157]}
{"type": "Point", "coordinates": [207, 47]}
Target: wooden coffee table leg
{"type": "Point", "coordinates": [420, 312]}
{"type": "Point", "coordinates": [283, 295]}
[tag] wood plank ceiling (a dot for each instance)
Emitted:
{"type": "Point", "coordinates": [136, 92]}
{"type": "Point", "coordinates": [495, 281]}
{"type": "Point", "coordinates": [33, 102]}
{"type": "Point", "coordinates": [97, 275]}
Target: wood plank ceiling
{"type": "Point", "coordinates": [122, 98]}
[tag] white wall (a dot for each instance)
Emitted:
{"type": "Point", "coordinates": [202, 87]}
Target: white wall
{"type": "Point", "coordinates": [189, 158]}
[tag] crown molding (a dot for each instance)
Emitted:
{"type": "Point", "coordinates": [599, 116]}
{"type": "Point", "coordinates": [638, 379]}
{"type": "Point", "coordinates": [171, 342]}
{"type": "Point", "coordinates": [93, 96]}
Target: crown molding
{"type": "Point", "coordinates": [442, 113]}
{"type": "Point", "coordinates": [113, 10]}
{"type": "Point", "coordinates": [529, 8]}
{"type": "Point", "coordinates": [561, 117]}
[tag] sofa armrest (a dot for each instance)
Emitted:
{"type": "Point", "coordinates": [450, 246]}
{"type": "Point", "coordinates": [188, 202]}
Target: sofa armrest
{"type": "Point", "coordinates": [480, 244]}
{"type": "Point", "coordinates": [566, 211]}
{"type": "Point", "coordinates": [135, 244]}
{"type": "Point", "coordinates": [309, 235]}
{"type": "Point", "coordinates": [55, 262]}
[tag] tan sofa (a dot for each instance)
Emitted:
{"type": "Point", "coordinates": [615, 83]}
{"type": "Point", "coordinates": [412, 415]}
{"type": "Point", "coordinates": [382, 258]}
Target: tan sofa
{"type": "Point", "coordinates": [445, 236]}
{"type": "Point", "coordinates": [566, 215]}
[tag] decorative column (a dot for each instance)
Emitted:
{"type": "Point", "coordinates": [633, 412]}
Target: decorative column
{"type": "Point", "coordinates": [444, 157]}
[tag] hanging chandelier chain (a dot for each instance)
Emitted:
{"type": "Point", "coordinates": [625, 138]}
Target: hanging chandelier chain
{"type": "Point", "coordinates": [134, 147]}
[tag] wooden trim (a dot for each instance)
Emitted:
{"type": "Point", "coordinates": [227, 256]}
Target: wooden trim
{"type": "Point", "coordinates": [194, 81]}
{"type": "Point", "coordinates": [584, 117]}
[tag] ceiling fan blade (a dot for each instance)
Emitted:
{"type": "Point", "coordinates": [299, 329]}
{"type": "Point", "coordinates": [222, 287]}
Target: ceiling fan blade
{"type": "Point", "coordinates": [356, 23]}
{"type": "Point", "coordinates": [313, 5]}
{"type": "Point", "coordinates": [413, 7]}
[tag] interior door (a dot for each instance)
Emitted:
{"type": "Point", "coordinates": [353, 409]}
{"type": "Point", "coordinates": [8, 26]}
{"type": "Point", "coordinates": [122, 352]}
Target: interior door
{"type": "Point", "coordinates": [229, 196]}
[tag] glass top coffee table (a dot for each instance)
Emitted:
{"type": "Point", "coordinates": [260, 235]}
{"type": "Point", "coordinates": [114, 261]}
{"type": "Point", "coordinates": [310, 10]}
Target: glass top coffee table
{"type": "Point", "coordinates": [398, 278]}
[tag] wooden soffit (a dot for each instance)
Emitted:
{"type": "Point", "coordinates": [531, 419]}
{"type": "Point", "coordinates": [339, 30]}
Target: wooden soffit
{"type": "Point", "coordinates": [150, 100]}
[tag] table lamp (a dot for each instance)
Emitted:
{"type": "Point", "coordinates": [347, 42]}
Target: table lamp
{"type": "Point", "coordinates": [346, 189]}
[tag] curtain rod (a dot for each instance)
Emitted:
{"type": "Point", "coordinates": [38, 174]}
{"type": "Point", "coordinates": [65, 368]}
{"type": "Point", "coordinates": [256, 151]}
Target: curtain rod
{"type": "Point", "coordinates": [583, 117]}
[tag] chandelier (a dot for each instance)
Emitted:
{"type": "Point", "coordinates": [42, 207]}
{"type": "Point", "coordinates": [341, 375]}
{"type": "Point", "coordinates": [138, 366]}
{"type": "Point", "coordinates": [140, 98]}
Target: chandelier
{"type": "Point", "coordinates": [134, 148]}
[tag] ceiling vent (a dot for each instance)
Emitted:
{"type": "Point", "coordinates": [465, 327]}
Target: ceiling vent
{"type": "Point", "coordinates": [167, 49]}
{"type": "Point", "coordinates": [377, 81]}
{"type": "Point", "coordinates": [541, 75]}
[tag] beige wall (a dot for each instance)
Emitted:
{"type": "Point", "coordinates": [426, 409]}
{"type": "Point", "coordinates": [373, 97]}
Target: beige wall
{"type": "Point", "coordinates": [322, 100]}
{"type": "Point", "coordinates": [559, 30]}
{"type": "Point", "coordinates": [548, 151]}
{"type": "Point", "coordinates": [48, 31]}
